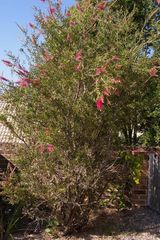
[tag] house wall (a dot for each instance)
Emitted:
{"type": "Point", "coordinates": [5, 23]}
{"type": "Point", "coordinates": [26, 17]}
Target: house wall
{"type": "Point", "coordinates": [6, 149]}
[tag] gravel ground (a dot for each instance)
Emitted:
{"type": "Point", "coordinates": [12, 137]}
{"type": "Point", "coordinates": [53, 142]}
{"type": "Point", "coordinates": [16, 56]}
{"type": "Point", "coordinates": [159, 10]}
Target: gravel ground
{"type": "Point", "coordinates": [138, 224]}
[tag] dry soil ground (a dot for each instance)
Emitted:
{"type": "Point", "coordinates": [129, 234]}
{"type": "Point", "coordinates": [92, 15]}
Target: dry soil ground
{"type": "Point", "coordinates": [137, 224]}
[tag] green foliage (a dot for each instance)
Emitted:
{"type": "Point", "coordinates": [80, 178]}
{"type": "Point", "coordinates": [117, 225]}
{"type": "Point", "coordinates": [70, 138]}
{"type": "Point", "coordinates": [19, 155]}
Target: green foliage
{"type": "Point", "coordinates": [12, 221]}
{"type": "Point", "coordinates": [114, 197]}
{"type": "Point", "coordinates": [133, 164]}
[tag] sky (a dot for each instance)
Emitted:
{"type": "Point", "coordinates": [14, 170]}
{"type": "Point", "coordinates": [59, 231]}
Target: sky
{"type": "Point", "coordinates": [15, 12]}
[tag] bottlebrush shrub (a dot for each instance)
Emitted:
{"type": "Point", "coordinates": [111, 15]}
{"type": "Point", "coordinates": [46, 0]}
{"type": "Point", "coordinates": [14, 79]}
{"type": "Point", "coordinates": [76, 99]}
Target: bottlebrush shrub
{"type": "Point", "coordinates": [87, 80]}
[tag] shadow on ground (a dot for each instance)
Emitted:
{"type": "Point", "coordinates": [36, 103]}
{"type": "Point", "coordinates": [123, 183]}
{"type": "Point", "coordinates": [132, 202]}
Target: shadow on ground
{"type": "Point", "coordinates": [108, 224]}
{"type": "Point", "coordinates": [112, 223]}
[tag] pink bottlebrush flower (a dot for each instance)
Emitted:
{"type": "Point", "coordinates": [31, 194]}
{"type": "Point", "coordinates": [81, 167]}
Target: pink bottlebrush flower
{"type": "Point", "coordinates": [4, 79]}
{"type": "Point", "coordinates": [47, 56]}
{"type": "Point", "coordinates": [72, 23]}
{"type": "Point", "coordinates": [33, 39]}
{"type": "Point", "coordinates": [23, 69]}
{"type": "Point", "coordinates": [68, 38]}
{"type": "Point", "coordinates": [24, 82]}
{"type": "Point", "coordinates": [78, 67]}
{"type": "Point", "coordinates": [153, 72]}
{"type": "Point", "coordinates": [26, 79]}
{"type": "Point", "coordinates": [100, 70]}
{"type": "Point", "coordinates": [158, 1]}
{"type": "Point", "coordinates": [106, 92]}
{"type": "Point", "coordinates": [99, 103]}
{"type": "Point", "coordinates": [19, 72]}
{"type": "Point", "coordinates": [41, 148]}
{"type": "Point", "coordinates": [96, 80]}
{"type": "Point", "coordinates": [116, 80]}
{"type": "Point", "coordinates": [118, 66]}
{"type": "Point", "coordinates": [108, 102]}
{"type": "Point", "coordinates": [117, 93]}
{"type": "Point", "coordinates": [42, 0]}
{"type": "Point", "coordinates": [50, 148]}
{"type": "Point", "coordinates": [115, 58]}
{"type": "Point", "coordinates": [101, 6]}
{"type": "Point", "coordinates": [112, 88]}
{"type": "Point", "coordinates": [78, 56]}
{"type": "Point", "coordinates": [46, 131]}
{"type": "Point", "coordinates": [32, 25]}
{"type": "Point", "coordinates": [79, 7]}
{"type": "Point", "coordinates": [7, 63]}
{"type": "Point", "coordinates": [68, 14]}
{"type": "Point", "coordinates": [43, 72]}
{"type": "Point", "coordinates": [52, 10]}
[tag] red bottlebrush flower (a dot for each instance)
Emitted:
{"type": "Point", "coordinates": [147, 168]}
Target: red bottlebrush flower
{"type": "Point", "coordinates": [52, 10]}
{"type": "Point", "coordinates": [24, 82]}
{"type": "Point", "coordinates": [99, 103]}
{"type": "Point", "coordinates": [7, 63]}
{"type": "Point", "coordinates": [158, 1]}
{"type": "Point", "coordinates": [79, 7]}
{"type": "Point", "coordinates": [78, 56]}
{"type": "Point", "coordinates": [106, 92]}
{"type": "Point", "coordinates": [153, 72]}
{"type": "Point", "coordinates": [100, 70]}
{"type": "Point", "coordinates": [78, 67]}
{"type": "Point", "coordinates": [32, 25]}
{"type": "Point", "coordinates": [115, 58]}
{"type": "Point", "coordinates": [68, 14]}
{"type": "Point", "coordinates": [50, 148]}
{"type": "Point", "coordinates": [3, 79]}
{"type": "Point", "coordinates": [101, 6]}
